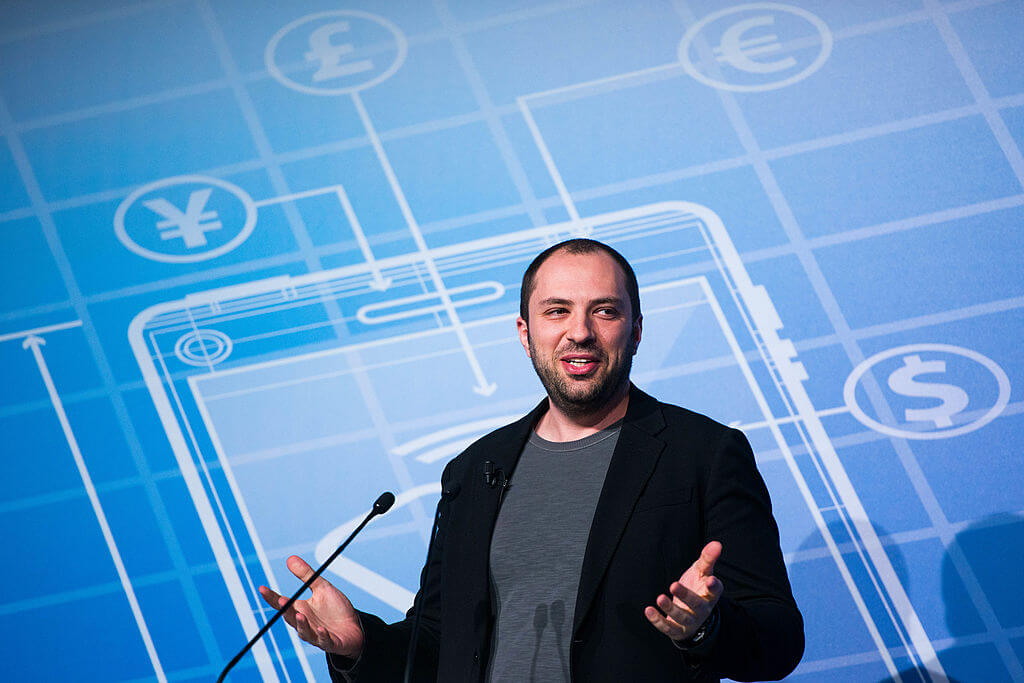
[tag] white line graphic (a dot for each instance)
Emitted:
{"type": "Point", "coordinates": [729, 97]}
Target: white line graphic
{"type": "Point", "coordinates": [651, 222]}
{"type": "Point", "coordinates": [482, 386]}
{"type": "Point", "coordinates": [34, 343]}
{"type": "Point", "coordinates": [789, 376]}
{"type": "Point", "coordinates": [40, 330]}
{"type": "Point", "coordinates": [549, 162]}
{"type": "Point", "coordinates": [373, 583]}
{"type": "Point", "coordinates": [204, 509]}
{"type": "Point", "coordinates": [379, 281]}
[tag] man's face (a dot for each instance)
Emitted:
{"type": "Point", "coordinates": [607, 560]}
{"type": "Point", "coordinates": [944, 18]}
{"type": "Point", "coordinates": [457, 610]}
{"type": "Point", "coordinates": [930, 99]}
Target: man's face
{"type": "Point", "coordinates": [580, 336]}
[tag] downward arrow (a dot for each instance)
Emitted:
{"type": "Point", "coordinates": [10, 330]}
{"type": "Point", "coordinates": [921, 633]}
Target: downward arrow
{"type": "Point", "coordinates": [485, 389]}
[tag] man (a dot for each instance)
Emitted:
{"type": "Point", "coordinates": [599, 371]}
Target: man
{"type": "Point", "coordinates": [603, 537]}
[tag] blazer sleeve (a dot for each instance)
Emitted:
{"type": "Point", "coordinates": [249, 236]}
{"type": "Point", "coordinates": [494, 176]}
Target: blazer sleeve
{"type": "Point", "coordinates": [760, 633]}
{"type": "Point", "coordinates": [385, 645]}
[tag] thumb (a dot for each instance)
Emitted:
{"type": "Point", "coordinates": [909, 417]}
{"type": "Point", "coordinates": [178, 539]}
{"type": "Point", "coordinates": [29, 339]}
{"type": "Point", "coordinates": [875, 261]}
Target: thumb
{"type": "Point", "coordinates": [300, 569]}
{"type": "Point", "coordinates": [705, 564]}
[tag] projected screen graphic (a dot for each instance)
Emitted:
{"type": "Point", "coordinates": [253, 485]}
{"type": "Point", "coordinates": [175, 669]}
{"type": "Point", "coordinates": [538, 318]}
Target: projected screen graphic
{"type": "Point", "coordinates": [223, 365]}
{"type": "Point", "coordinates": [262, 262]}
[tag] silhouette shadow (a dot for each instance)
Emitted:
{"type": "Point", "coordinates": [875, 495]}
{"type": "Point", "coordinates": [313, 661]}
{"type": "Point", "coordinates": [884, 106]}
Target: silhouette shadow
{"type": "Point", "coordinates": [838, 531]}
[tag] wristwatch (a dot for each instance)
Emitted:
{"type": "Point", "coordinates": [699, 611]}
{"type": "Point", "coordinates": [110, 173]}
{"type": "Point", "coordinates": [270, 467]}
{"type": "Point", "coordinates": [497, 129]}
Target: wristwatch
{"type": "Point", "coordinates": [703, 631]}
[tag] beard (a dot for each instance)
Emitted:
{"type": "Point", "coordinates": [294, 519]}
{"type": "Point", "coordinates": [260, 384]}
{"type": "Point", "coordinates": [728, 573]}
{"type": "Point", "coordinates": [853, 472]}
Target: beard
{"type": "Point", "coordinates": [582, 396]}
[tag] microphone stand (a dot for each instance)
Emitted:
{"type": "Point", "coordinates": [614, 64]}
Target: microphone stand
{"type": "Point", "coordinates": [380, 506]}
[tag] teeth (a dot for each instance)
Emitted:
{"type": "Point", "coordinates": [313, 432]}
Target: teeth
{"type": "Point", "coordinates": [576, 361]}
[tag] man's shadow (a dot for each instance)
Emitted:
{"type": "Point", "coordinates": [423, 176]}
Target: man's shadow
{"type": "Point", "coordinates": [996, 540]}
{"type": "Point", "coordinates": [994, 549]}
{"type": "Point", "coordinates": [952, 594]}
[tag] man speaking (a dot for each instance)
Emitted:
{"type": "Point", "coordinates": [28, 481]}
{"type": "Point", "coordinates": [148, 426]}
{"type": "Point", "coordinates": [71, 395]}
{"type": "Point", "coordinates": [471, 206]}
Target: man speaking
{"type": "Point", "coordinates": [605, 536]}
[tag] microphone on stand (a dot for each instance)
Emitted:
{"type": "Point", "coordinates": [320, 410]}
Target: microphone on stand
{"type": "Point", "coordinates": [380, 506]}
{"type": "Point", "coordinates": [446, 497]}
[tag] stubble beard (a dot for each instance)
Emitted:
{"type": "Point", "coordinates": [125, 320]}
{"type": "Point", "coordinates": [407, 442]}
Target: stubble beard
{"type": "Point", "coordinates": [579, 398]}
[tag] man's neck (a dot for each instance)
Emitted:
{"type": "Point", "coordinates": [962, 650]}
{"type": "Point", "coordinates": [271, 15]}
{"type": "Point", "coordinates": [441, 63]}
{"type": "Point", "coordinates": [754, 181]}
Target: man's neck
{"type": "Point", "coordinates": [555, 425]}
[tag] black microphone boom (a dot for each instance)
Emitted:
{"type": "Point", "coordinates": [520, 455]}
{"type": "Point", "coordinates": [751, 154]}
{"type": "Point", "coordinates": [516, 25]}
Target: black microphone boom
{"type": "Point", "coordinates": [380, 506]}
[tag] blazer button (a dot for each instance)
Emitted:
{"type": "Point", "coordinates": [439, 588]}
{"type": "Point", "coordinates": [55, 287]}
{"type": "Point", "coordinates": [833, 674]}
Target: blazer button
{"type": "Point", "coordinates": [577, 641]}
{"type": "Point", "coordinates": [476, 657]}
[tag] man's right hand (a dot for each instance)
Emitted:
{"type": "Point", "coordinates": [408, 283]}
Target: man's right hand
{"type": "Point", "coordinates": [327, 620]}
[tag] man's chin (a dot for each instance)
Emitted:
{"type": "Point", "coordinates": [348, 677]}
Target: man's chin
{"type": "Point", "coordinates": [580, 400]}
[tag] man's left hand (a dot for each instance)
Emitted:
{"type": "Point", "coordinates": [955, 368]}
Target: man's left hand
{"type": "Point", "coordinates": [693, 597]}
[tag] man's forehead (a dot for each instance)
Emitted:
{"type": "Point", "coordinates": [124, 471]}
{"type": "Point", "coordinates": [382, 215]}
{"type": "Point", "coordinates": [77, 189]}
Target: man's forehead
{"type": "Point", "coordinates": [591, 275]}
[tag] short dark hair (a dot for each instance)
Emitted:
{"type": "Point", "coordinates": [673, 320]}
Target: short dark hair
{"type": "Point", "coordinates": [580, 245]}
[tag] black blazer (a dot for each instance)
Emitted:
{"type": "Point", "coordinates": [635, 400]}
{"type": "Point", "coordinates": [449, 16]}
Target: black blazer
{"type": "Point", "coordinates": [676, 481]}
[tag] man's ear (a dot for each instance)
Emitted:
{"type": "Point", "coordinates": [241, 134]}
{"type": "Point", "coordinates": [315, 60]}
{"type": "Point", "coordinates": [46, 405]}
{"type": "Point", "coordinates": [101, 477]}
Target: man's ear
{"type": "Point", "coordinates": [638, 325]}
{"type": "Point", "coordinates": [524, 335]}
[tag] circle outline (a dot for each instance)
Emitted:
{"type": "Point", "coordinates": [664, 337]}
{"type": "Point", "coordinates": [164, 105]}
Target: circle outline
{"type": "Point", "coordinates": [200, 335]}
{"type": "Point", "coordinates": [275, 71]}
{"type": "Point", "coordinates": [122, 232]}
{"type": "Point", "coordinates": [850, 387]}
{"type": "Point", "coordinates": [827, 42]}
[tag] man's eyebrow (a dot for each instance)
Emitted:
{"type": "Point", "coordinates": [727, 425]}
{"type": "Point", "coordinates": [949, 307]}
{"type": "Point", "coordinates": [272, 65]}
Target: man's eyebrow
{"type": "Point", "coordinates": [607, 300]}
{"type": "Point", "coordinates": [553, 300]}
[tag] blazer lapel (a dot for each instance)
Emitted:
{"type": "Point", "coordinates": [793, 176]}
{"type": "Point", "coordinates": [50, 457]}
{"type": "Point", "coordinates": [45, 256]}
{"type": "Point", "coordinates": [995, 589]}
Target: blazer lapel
{"type": "Point", "coordinates": [473, 567]}
{"type": "Point", "coordinates": [636, 453]}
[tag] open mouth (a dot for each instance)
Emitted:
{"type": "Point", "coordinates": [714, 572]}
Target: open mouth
{"type": "Point", "coordinates": [579, 365]}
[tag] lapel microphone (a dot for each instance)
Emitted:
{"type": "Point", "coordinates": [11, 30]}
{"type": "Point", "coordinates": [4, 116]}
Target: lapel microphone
{"type": "Point", "coordinates": [380, 506]}
{"type": "Point", "coordinates": [447, 496]}
{"type": "Point", "coordinates": [494, 476]}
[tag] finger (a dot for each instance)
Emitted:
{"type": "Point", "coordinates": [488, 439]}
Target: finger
{"type": "Point", "coordinates": [681, 614]}
{"type": "Point", "coordinates": [707, 589]}
{"type": "Point", "coordinates": [659, 622]}
{"type": "Point", "coordinates": [714, 587]}
{"type": "Point", "coordinates": [684, 596]}
{"type": "Point", "coordinates": [270, 597]}
{"type": "Point", "coordinates": [324, 639]}
{"type": "Point", "coordinates": [303, 571]}
{"type": "Point", "coordinates": [705, 564]}
{"type": "Point", "coordinates": [298, 567]}
{"type": "Point", "coordinates": [305, 630]}
{"type": "Point", "coordinates": [290, 614]}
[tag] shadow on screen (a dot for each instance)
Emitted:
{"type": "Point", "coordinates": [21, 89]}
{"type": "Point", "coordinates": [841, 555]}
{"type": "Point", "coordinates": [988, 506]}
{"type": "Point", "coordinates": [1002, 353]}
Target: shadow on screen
{"type": "Point", "coordinates": [823, 607]}
{"type": "Point", "coordinates": [993, 550]}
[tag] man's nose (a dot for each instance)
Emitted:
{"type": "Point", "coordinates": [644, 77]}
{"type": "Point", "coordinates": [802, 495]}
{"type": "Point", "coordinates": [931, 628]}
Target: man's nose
{"type": "Point", "coordinates": [580, 329]}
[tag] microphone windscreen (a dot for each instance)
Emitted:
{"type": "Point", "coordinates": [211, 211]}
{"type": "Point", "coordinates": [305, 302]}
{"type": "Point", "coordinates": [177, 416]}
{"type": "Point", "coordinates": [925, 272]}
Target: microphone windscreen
{"type": "Point", "coordinates": [384, 503]}
{"type": "Point", "coordinates": [452, 491]}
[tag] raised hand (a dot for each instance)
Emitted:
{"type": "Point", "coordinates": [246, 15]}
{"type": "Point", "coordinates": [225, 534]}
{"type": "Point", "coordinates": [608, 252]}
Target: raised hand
{"type": "Point", "coordinates": [693, 597]}
{"type": "Point", "coordinates": [326, 620]}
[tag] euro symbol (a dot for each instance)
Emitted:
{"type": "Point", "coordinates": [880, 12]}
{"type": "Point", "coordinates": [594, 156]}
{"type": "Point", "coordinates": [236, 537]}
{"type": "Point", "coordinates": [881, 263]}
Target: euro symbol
{"type": "Point", "coordinates": [737, 52]}
{"type": "Point", "coordinates": [322, 50]}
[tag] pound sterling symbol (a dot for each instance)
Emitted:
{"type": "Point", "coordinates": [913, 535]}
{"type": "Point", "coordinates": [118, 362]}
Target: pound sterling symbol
{"type": "Point", "coordinates": [329, 55]}
{"type": "Point", "coordinates": [737, 52]}
{"type": "Point", "coordinates": [904, 381]}
{"type": "Point", "coordinates": [192, 225]}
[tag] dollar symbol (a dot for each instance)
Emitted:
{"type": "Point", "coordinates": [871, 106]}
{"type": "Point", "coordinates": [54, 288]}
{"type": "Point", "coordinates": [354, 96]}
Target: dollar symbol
{"type": "Point", "coordinates": [322, 50]}
{"type": "Point", "coordinates": [904, 381]}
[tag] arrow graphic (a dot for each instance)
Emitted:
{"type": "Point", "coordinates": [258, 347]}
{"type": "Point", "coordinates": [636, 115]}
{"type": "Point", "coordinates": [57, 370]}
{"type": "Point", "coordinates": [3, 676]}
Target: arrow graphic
{"type": "Point", "coordinates": [34, 344]}
{"type": "Point", "coordinates": [380, 283]}
{"type": "Point", "coordinates": [482, 386]}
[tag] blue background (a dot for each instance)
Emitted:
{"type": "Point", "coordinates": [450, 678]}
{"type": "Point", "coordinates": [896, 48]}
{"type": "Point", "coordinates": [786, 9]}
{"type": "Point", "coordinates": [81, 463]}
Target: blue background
{"type": "Point", "coordinates": [879, 201]}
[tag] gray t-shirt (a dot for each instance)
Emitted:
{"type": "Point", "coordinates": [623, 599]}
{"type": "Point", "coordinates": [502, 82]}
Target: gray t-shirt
{"type": "Point", "coordinates": [537, 553]}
